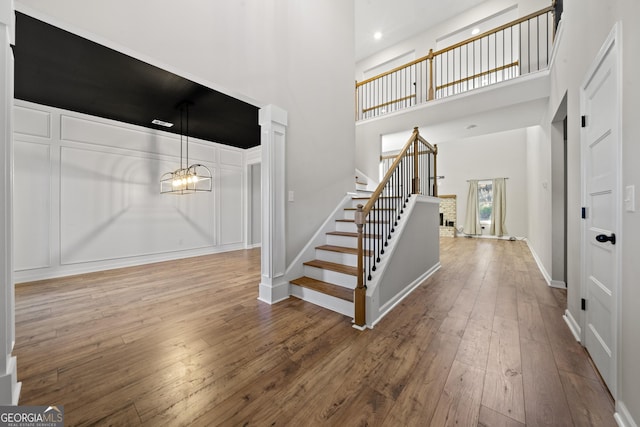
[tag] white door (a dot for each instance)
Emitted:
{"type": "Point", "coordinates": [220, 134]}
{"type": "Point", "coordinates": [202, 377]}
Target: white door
{"type": "Point", "coordinates": [600, 136]}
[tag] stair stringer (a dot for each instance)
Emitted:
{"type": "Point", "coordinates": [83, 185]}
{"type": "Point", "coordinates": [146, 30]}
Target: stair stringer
{"type": "Point", "coordinates": [296, 268]}
{"type": "Point", "coordinates": [412, 256]}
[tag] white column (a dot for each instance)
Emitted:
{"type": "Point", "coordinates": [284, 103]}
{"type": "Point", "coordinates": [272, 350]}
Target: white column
{"type": "Point", "coordinates": [9, 387]}
{"type": "Point", "coordinates": [273, 123]}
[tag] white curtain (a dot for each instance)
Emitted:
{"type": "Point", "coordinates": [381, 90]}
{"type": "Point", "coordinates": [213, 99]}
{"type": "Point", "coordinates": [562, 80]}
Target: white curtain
{"type": "Point", "coordinates": [499, 211]}
{"type": "Point", "coordinates": [472, 221]}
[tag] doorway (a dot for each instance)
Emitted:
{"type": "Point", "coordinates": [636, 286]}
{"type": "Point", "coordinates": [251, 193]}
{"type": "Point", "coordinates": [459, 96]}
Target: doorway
{"type": "Point", "coordinates": [559, 197]}
{"type": "Point", "coordinates": [600, 99]}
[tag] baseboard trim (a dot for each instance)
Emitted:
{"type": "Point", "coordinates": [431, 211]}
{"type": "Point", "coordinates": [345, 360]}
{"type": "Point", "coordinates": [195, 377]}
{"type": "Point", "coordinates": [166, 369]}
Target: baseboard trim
{"type": "Point", "coordinates": [559, 284]}
{"type": "Point", "coordinates": [9, 386]}
{"type": "Point", "coordinates": [545, 273]}
{"type": "Point", "coordinates": [573, 325]}
{"type": "Point", "coordinates": [622, 416]}
{"type": "Point", "coordinates": [273, 293]}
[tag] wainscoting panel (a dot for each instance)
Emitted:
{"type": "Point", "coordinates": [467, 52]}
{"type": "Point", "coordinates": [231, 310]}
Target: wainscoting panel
{"type": "Point", "coordinates": [32, 204]}
{"type": "Point", "coordinates": [111, 208]}
{"type": "Point", "coordinates": [230, 158]}
{"type": "Point", "coordinates": [31, 121]}
{"type": "Point", "coordinates": [87, 199]}
{"type": "Point", "coordinates": [231, 202]}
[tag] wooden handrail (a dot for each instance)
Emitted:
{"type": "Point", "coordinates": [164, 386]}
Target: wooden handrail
{"type": "Point", "coordinates": [484, 73]}
{"type": "Point", "coordinates": [386, 73]}
{"type": "Point", "coordinates": [432, 54]}
{"type": "Point", "coordinates": [495, 30]}
{"type": "Point", "coordinates": [393, 156]}
{"type": "Point", "coordinates": [376, 194]}
{"type": "Point", "coordinates": [362, 213]}
{"type": "Point", "coordinates": [384, 104]}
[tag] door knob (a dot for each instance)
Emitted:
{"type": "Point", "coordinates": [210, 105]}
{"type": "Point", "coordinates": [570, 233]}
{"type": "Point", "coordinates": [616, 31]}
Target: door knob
{"type": "Point", "coordinates": [603, 238]}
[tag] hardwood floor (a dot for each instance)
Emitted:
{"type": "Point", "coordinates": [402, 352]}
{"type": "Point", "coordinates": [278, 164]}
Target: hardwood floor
{"type": "Point", "coordinates": [480, 343]}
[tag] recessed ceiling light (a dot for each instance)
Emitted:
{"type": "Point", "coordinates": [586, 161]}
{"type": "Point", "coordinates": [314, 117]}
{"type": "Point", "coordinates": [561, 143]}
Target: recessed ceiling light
{"type": "Point", "coordinates": [377, 35]}
{"type": "Point", "coordinates": [475, 31]}
{"type": "Point", "coordinates": [161, 123]}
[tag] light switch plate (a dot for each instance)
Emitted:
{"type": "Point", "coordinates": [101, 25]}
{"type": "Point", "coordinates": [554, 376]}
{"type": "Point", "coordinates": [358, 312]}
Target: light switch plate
{"type": "Point", "coordinates": [630, 198]}
{"type": "Point", "coordinates": [291, 196]}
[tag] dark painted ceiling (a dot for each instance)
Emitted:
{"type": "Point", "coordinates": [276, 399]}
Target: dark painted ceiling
{"type": "Point", "coordinates": [57, 68]}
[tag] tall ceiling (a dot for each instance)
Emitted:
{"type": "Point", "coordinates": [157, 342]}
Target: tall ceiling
{"type": "Point", "coordinates": [60, 69]}
{"type": "Point", "coordinates": [398, 20]}
{"type": "Point", "coordinates": [56, 68]}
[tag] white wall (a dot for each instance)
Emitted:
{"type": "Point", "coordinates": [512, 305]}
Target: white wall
{"type": "Point", "coordinates": [87, 198]}
{"type": "Point", "coordinates": [539, 192]}
{"type": "Point", "coordinates": [495, 155]}
{"type": "Point", "coordinates": [264, 51]}
{"type": "Point", "coordinates": [586, 26]}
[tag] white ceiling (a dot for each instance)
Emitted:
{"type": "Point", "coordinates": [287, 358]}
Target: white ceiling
{"type": "Point", "coordinates": [398, 20]}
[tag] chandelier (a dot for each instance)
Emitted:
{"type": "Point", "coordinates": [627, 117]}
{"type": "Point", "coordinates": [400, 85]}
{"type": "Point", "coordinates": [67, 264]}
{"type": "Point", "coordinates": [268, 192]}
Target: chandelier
{"type": "Point", "coordinates": [187, 178]}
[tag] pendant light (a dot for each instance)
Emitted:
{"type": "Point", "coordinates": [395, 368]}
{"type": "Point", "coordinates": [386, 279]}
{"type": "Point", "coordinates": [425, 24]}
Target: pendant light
{"type": "Point", "coordinates": [187, 178]}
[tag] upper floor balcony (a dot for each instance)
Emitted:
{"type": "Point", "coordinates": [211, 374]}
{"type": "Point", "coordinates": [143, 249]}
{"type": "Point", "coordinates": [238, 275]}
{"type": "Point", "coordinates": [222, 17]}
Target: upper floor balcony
{"type": "Point", "coordinates": [512, 50]}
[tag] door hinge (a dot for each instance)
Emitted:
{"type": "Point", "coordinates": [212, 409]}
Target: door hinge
{"type": "Point", "coordinates": [584, 213]}
{"type": "Point", "coordinates": [583, 304]}
{"type": "Point", "coordinates": [584, 121]}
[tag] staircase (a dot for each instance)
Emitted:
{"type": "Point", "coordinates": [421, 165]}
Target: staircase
{"type": "Point", "coordinates": [330, 279]}
{"type": "Point", "coordinates": [345, 264]}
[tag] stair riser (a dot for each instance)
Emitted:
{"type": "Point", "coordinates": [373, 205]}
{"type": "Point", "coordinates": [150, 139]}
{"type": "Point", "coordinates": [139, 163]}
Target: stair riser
{"type": "Point", "coordinates": [349, 227]}
{"type": "Point", "coordinates": [349, 214]}
{"type": "Point", "coordinates": [355, 203]}
{"type": "Point", "coordinates": [329, 276]}
{"type": "Point", "coordinates": [348, 242]}
{"type": "Point", "coordinates": [332, 303]}
{"type": "Point", "coordinates": [337, 257]}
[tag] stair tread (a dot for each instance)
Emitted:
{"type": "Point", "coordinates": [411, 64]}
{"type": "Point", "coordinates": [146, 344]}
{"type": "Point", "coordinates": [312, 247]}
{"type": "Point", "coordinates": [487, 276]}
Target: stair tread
{"type": "Point", "coordinates": [353, 220]}
{"type": "Point", "coordinates": [324, 287]}
{"type": "Point", "coordinates": [349, 234]}
{"type": "Point", "coordinates": [342, 249]}
{"type": "Point", "coordinates": [326, 265]}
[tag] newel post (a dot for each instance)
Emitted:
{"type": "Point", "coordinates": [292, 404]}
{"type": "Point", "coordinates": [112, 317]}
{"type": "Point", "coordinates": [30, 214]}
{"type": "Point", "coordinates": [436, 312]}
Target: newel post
{"type": "Point", "coordinates": [430, 58]}
{"type": "Point", "coordinates": [360, 291]}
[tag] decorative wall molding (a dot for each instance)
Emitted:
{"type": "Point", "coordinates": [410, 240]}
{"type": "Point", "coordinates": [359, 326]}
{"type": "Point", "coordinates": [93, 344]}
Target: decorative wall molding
{"type": "Point", "coordinates": [273, 286]}
{"type": "Point", "coordinates": [9, 385]}
{"type": "Point", "coordinates": [104, 209]}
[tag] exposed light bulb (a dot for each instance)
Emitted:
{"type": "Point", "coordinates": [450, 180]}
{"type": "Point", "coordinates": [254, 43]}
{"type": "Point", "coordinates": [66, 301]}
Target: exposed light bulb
{"type": "Point", "coordinates": [194, 179]}
{"type": "Point", "coordinates": [377, 35]}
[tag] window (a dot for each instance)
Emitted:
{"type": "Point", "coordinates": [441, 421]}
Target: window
{"type": "Point", "coordinates": [485, 201]}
